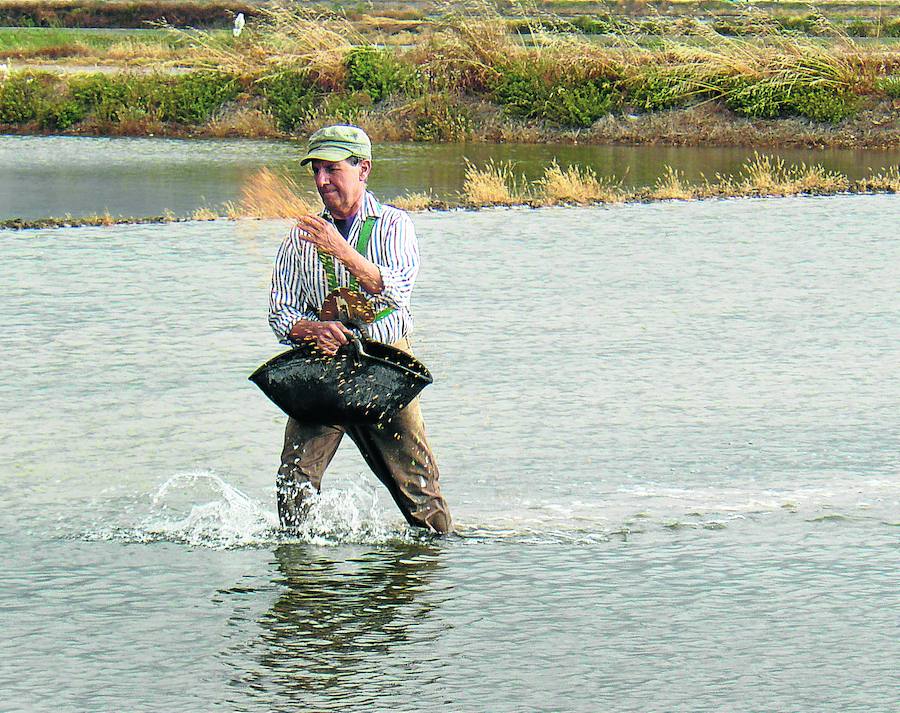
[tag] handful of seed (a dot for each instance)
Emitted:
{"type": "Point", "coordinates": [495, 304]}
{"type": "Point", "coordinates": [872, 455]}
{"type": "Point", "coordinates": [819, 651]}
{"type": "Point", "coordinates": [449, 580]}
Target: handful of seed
{"type": "Point", "coordinates": [268, 195]}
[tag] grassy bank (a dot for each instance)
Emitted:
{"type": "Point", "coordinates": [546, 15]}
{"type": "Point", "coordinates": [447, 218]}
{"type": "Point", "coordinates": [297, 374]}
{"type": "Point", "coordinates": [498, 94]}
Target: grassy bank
{"type": "Point", "coordinates": [492, 185]}
{"type": "Point", "coordinates": [97, 46]}
{"type": "Point", "coordinates": [472, 79]}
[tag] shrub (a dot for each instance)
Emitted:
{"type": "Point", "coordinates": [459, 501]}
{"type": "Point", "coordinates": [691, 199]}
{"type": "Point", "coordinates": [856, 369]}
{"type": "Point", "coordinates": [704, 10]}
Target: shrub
{"type": "Point", "coordinates": [658, 88]}
{"type": "Point", "coordinates": [193, 98]}
{"type": "Point", "coordinates": [62, 115]}
{"type": "Point", "coordinates": [378, 73]}
{"type": "Point", "coordinates": [185, 99]}
{"type": "Point", "coordinates": [861, 28]}
{"type": "Point", "coordinates": [596, 25]}
{"type": "Point", "coordinates": [103, 96]}
{"type": "Point", "coordinates": [521, 92]}
{"type": "Point", "coordinates": [771, 99]}
{"type": "Point", "coordinates": [759, 100]}
{"type": "Point", "coordinates": [437, 119]}
{"type": "Point", "coordinates": [38, 97]}
{"type": "Point", "coordinates": [290, 97]}
{"type": "Point", "coordinates": [580, 105]}
{"type": "Point", "coordinates": [19, 98]}
{"type": "Point", "coordinates": [344, 108]}
{"type": "Point", "coordinates": [570, 102]}
{"type": "Point", "coordinates": [822, 104]}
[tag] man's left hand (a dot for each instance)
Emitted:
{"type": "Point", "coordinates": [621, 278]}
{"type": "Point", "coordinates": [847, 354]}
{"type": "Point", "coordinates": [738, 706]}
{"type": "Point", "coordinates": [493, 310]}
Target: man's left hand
{"type": "Point", "coordinates": [322, 234]}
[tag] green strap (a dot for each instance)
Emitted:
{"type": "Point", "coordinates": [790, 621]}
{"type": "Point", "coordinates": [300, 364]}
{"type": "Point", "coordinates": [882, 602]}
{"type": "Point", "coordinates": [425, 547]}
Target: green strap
{"type": "Point", "coordinates": [362, 247]}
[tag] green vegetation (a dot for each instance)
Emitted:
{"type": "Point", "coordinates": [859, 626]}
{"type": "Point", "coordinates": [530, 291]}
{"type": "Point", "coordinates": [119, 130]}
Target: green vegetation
{"type": "Point", "coordinates": [436, 118]}
{"type": "Point", "coordinates": [524, 92]}
{"type": "Point", "coordinates": [889, 85]}
{"type": "Point", "coordinates": [52, 102]}
{"type": "Point", "coordinates": [468, 76]}
{"type": "Point", "coordinates": [290, 98]}
{"type": "Point", "coordinates": [770, 100]}
{"type": "Point", "coordinates": [378, 73]}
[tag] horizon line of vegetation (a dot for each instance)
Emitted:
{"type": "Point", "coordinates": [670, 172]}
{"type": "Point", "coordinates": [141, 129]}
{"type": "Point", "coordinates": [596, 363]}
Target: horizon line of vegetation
{"type": "Point", "coordinates": [861, 20]}
{"type": "Point", "coordinates": [499, 185]}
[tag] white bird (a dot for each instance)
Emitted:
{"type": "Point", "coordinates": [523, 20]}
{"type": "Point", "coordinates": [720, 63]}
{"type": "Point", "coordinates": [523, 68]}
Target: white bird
{"type": "Point", "coordinates": [238, 25]}
{"type": "Point", "coordinates": [4, 69]}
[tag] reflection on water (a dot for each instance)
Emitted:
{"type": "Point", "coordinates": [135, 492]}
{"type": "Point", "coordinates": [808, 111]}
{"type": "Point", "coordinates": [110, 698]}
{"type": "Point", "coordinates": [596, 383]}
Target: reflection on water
{"type": "Point", "coordinates": [336, 621]}
{"type": "Point", "coordinates": [54, 176]}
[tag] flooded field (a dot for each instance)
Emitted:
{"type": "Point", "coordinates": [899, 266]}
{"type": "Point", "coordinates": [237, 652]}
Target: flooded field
{"type": "Point", "coordinates": [58, 176]}
{"type": "Point", "coordinates": [668, 433]}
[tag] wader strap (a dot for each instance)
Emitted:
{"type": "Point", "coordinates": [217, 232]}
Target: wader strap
{"type": "Point", "coordinates": [362, 247]}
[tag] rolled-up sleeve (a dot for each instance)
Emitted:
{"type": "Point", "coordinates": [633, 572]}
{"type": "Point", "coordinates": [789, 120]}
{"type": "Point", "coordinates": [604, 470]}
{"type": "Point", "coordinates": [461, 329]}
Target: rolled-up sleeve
{"type": "Point", "coordinates": [398, 261]}
{"type": "Point", "coordinates": [287, 305]}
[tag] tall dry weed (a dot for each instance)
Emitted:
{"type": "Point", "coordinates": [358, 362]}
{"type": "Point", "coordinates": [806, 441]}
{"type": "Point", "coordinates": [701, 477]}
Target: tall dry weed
{"type": "Point", "coordinates": [281, 36]}
{"type": "Point", "coordinates": [267, 195]}
{"type": "Point", "coordinates": [495, 184]}
{"type": "Point", "coordinates": [672, 186]}
{"type": "Point", "coordinates": [415, 201]}
{"type": "Point", "coordinates": [576, 184]}
{"type": "Point", "coordinates": [765, 175]}
{"type": "Point", "coordinates": [887, 182]}
{"type": "Point", "coordinates": [466, 46]}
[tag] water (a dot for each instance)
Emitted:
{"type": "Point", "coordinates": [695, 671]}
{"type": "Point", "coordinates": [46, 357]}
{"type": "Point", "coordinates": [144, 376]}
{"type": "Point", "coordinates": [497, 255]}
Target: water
{"type": "Point", "coordinates": [45, 176]}
{"type": "Point", "coordinates": [668, 434]}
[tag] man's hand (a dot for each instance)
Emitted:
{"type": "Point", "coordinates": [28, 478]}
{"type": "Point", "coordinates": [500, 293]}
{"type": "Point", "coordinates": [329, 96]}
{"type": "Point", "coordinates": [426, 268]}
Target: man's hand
{"type": "Point", "coordinates": [326, 336]}
{"type": "Point", "coordinates": [326, 237]}
{"type": "Point", "coordinates": [323, 235]}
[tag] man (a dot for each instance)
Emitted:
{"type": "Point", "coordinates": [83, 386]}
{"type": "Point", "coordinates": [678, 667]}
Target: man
{"type": "Point", "coordinates": [356, 244]}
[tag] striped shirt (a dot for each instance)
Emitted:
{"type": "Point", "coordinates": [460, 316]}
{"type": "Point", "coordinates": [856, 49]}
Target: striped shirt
{"type": "Point", "coordinates": [299, 283]}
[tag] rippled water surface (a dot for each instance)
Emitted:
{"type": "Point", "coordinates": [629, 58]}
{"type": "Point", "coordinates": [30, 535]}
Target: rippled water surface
{"type": "Point", "coordinates": [669, 433]}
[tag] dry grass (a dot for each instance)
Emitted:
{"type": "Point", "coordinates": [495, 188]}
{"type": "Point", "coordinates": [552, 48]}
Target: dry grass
{"type": "Point", "coordinates": [672, 186]}
{"type": "Point", "coordinates": [495, 184]}
{"type": "Point", "coordinates": [245, 122]}
{"type": "Point", "coordinates": [888, 182]}
{"type": "Point", "coordinates": [267, 195]}
{"type": "Point", "coordinates": [576, 185]}
{"type": "Point", "coordinates": [415, 201]}
{"type": "Point", "coordinates": [281, 36]}
{"type": "Point", "coordinates": [465, 47]}
{"type": "Point", "coordinates": [131, 50]}
{"type": "Point", "coordinates": [768, 176]}
{"type": "Point", "coordinates": [204, 214]}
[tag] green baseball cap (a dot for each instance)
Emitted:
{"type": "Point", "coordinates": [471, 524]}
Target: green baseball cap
{"type": "Point", "coordinates": [335, 143]}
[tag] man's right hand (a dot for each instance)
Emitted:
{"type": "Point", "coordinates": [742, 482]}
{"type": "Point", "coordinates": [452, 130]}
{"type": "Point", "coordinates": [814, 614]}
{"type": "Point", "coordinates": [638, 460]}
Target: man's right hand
{"type": "Point", "coordinates": [326, 336]}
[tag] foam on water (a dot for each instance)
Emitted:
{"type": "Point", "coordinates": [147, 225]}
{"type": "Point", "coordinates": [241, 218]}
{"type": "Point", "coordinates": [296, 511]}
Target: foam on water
{"type": "Point", "coordinates": [200, 508]}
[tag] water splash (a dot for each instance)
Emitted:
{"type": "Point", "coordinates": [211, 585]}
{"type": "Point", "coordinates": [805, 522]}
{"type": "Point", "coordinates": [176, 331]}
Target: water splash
{"type": "Point", "coordinates": [229, 518]}
{"type": "Point", "coordinates": [232, 519]}
{"type": "Point", "coordinates": [347, 515]}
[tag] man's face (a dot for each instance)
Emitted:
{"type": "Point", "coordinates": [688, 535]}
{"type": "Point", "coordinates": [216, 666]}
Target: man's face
{"type": "Point", "coordinates": [341, 185]}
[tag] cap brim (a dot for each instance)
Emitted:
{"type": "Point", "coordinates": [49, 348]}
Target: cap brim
{"type": "Point", "coordinates": [326, 153]}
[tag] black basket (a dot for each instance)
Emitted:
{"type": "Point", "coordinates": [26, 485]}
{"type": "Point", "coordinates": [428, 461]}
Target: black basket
{"type": "Point", "coordinates": [364, 382]}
